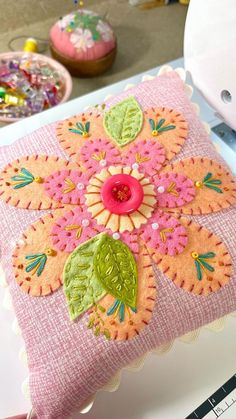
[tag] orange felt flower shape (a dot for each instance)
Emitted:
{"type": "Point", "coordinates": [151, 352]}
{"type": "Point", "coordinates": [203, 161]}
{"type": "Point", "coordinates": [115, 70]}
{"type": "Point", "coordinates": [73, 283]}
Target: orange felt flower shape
{"type": "Point", "coordinates": [118, 212]}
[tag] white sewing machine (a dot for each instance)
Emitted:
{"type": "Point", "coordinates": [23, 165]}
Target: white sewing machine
{"type": "Point", "coordinates": [209, 47]}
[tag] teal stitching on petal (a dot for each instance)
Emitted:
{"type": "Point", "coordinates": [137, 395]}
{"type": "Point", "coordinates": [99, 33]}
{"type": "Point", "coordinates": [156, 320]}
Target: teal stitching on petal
{"type": "Point", "coordinates": [211, 183]}
{"type": "Point", "coordinates": [201, 264]}
{"type": "Point", "coordinates": [158, 128]}
{"type": "Point", "coordinates": [36, 263]}
{"type": "Point", "coordinates": [21, 180]}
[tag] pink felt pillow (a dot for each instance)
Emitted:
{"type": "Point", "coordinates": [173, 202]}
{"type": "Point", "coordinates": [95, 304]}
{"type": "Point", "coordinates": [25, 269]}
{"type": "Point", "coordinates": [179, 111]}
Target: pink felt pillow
{"type": "Point", "coordinates": [82, 35]}
{"type": "Point", "coordinates": [132, 280]}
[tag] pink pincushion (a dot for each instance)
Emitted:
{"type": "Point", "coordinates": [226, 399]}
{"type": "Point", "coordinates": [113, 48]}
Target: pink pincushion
{"type": "Point", "coordinates": [83, 35]}
{"type": "Point", "coordinates": [185, 247]}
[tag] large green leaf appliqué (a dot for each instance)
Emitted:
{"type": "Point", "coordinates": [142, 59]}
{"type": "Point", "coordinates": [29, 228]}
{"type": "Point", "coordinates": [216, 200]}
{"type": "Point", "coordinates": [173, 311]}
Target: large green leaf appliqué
{"type": "Point", "coordinates": [123, 122]}
{"type": "Point", "coordinates": [116, 270]}
{"type": "Point", "coordinates": [81, 287]}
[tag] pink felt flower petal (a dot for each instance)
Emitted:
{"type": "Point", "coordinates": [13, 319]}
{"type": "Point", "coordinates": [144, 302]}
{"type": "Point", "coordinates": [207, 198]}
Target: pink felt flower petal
{"type": "Point", "coordinates": [75, 227]}
{"type": "Point", "coordinates": [66, 186]}
{"type": "Point", "coordinates": [96, 154]}
{"type": "Point", "coordinates": [165, 234]}
{"type": "Point", "coordinates": [173, 190]}
{"type": "Point", "coordinates": [147, 156]}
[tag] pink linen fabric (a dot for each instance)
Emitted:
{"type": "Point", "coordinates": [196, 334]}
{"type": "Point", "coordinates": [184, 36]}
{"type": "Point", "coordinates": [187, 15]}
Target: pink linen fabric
{"type": "Point", "coordinates": [67, 363]}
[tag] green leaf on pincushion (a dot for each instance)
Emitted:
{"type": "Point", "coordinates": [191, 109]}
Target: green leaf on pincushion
{"type": "Point", "coordinates": [81, 287]}
{"type": "Point", "coordinates": [123, 122]}
{"type": "Point", "coordinates": [116, 270]}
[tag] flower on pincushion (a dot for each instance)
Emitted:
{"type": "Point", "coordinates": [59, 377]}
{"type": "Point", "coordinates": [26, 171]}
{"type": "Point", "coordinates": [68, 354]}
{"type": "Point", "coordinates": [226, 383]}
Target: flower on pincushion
{"type": "Point", "coordinates": [82, 39]}
{"type": "Point", "coordinates": [117, 212]}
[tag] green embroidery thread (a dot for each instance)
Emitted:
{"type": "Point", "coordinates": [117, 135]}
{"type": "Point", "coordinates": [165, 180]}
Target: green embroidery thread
{"type": "Point", "coordinates": [201, 264]}
{"type": "Point", "coordinates": [96, 322]}
{"type": "Point", "coordinates": [116, 270]}
{"type": "Point", "coordinates": [81, 286]}
{"type": "Point", "coordinates": [36, 263]}
{"type": "Point", "coordinates": [212, 183]}
{"type": "Point", "coordinates": [159, 127]}
{"type": "Point", "coordinates": [24, 178]}
{"type": "Point", "coordinates": [81, 129]}
{"type": "Point", "coordinates": [124, 121]}
{"type": "Point", "coordinates": [119, 307]}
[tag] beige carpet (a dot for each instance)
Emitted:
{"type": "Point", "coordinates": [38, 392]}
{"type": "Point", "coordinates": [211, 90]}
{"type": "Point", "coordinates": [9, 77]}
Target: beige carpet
{"type": "Point", "coordinates": [146, 38]}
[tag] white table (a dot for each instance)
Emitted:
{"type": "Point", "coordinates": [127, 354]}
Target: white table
{"type": "Point", "coordinates": [169, 386]}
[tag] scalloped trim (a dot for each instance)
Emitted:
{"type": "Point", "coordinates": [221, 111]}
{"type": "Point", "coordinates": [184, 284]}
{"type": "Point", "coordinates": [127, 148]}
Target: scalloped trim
{"type": "Point", "coordinates": [191, 337]}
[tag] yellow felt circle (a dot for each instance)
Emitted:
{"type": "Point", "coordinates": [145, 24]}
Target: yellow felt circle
{"type": "Point", "coordinates": [206, 200]}
{"type": "Point", "coordinates": [171, 140]}
{"type": "Point", "coordinates": [181, 269]}
{"type": "Point", "coordinates": [31, 195]}
{"type": "Point", "coordinates": [36, 240]}
{"type": "Point", "coordinates": [134, 322]}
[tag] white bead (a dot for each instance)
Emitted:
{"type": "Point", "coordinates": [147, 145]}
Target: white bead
{"type": "Point", "coordinates": [161, 189]}
{"type": "Point", "coordinates": [80, 186]}
{"type": "Point", "coordinates": [135, 166]}
{"type": "Point", "coordinates": [85, 222]}
{"type": "Point", "coordinates": [155, 226]}
{"type": "Point", "coordinates": [116, 236]}
{"type": "Point", "coordinates": [103, 163]}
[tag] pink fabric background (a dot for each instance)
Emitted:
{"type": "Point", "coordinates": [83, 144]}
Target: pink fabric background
{"type": "Point", "coordinates": [67, 362]}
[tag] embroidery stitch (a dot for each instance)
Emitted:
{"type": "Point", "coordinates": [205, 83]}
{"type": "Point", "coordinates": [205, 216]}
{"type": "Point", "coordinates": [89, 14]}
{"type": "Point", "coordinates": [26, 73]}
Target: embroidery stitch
{"type": "Point", "coordinates": [201, 264]}
{"type": "Point", "coordinates": [70, 186]}
{"type": "Point", "coordinates": [78, 228]}
{"type": "Point", "coordinates": [210, 183]}
{"type": "Point", "coordinates": [36, 263]}
{"type": "Point", "coordinates": [159, 127]}
{"type": "Point", "coordinates": [24, 179]}
{"type": "Point", "coordinates": [81, 129]}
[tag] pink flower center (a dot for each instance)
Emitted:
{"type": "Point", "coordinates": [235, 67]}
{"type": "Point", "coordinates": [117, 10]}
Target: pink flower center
{"type": "Point", "coordinates": [122, 194]}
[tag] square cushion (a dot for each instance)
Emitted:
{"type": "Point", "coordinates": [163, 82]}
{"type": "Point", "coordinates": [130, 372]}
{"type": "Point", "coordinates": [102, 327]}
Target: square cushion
{"type": "Point", "coordinates": [117, 236]}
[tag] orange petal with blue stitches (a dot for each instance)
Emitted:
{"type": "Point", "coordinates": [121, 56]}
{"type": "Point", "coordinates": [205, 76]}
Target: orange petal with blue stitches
{"type": "Point", "coordinates": [19, 190]}
{"type": "Point", "coordinates": [182, 270]}
{"type": "Point", "coordinates": [70, 141]}
{"type": "Point", "coordinates": [206, 200]}
{"type": "Point", "coordinates": [172, 140]}
{"type": "Point", "coordinates": [36, 241]}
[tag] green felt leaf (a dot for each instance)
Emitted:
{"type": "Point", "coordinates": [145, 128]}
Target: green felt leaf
{"type": "Point", "coordinates": [123, 121]}
{"type": "Point", "coordinates": [81, 287]}
{"type": "Point", "coordinates": [116, 270]}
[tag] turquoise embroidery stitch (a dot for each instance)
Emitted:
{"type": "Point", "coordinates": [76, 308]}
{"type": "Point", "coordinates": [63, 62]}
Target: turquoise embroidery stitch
{"type": "Point", "coordinates": [81, 129]}
{"type": "Point", "coordinates": [201, 264]}
{"type": "Point", "coordinates": [118, 306]}
{"type": "Point", "coordinates": [158, 128]}
{"type": "Point", "coordinates": [36, 263]}
{"type": "Point", "coordinates": [211, 183]}
{"type": "Point", "coordinates": [22, 180]}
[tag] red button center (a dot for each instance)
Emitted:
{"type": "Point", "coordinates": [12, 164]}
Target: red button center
{"type": "Point", "coordinates": [122, 194]}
